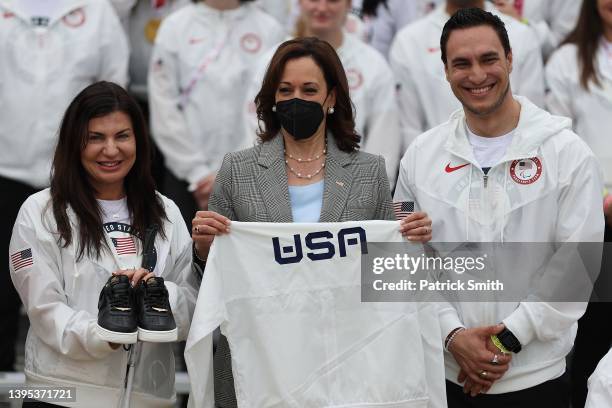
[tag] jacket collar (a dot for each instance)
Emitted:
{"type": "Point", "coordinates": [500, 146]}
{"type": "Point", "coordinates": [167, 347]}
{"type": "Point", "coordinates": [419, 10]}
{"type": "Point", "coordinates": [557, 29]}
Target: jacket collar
{"type": "Point", "coordinates": [274, 187]}
{"type": "Point", "coordinates": [535, 125]}
{"type": "Point", "coordinates": [439, 16]}
{"type": "Point", "coordinates": [65, 7]}
{"type": "Point", "coordinates": [203, 10]}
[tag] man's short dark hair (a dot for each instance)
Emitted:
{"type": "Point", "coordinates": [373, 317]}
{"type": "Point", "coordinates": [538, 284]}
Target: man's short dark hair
{"type": "Point", "coordinates": [473, 17]}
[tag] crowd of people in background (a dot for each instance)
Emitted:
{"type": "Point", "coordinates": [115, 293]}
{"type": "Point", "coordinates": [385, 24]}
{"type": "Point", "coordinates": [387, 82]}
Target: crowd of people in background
{"type": "Point", "coordinates": [196, 69]}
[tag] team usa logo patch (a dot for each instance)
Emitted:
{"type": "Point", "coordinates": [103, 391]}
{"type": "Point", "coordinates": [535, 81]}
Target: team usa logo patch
{"type": "Point", "coordinates": [250, 42]}
{"type": "Point", "coordinates": [75, 18]}
{"type": "Point", "coordinates": [354, 78]}
{"type": "Point", "coordinates": [526, 171]}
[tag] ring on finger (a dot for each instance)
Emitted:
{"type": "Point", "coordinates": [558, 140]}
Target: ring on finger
{"type": "Point", "coordinates": [495, 359]}
{"type": "Point", "coordinates": [483, 374]}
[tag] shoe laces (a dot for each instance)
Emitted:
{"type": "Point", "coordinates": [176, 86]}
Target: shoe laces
{"type": "Point", "coordinates": [155, 296]}
{"type": "Point", "coordinates": [120, 295]}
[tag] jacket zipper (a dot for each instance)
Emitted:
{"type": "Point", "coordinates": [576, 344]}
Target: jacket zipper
{"type": "Point", "coordinates": [486, 180]}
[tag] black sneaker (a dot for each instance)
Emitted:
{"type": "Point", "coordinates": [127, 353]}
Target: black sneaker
{"type": "Point", "coordinates": [155, 320]}
{"type": "Point", "coordinates": [117, 317]}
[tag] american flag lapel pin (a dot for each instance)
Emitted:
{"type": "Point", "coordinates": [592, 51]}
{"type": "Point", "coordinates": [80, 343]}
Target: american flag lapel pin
{"type": "Point", "coordinates": [402, 209]}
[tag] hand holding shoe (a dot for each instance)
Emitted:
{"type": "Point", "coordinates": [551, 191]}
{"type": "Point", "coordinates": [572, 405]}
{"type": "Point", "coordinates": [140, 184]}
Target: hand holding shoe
{"type": "Point", "coordinates": [135, 275]}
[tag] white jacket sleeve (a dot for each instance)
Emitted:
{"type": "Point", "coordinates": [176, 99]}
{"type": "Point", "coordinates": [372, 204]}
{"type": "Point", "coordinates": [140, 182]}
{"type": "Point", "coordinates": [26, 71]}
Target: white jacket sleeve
{"type": "Point", "coordinates": [209, 313]}
{"type": "Point", "coordinates": [580, 219]}
{"type": "Point", "coordinates": [382, 130]}
{"type": "Point", "coordinates": [41, 287]}
{"type": "Point", "coordinates": [562, 17]}
{"type": "Point", "coordinates": [251, 123]}
{"type": "Point", "coordinates": [530, 73]}
{"type": "Point", "coordinates": [405, 191]}
{"type": "Point", "coordinates": [600, 385]}
{"type": "Point", "coordinates": [559, 97]}
{"type": "Point", "coordinates": [412, 115]}
{"type": "Point", "coordinates": [114, 48]}
{"type": "Point", "coordinates": [168, 123]}
{"type": "Point", "coordinates": [181, 279]}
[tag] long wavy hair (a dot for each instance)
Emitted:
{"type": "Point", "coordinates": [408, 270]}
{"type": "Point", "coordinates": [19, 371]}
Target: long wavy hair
{"type": "Point", "coordinates": [70, 184]}
{"type": "Point", "coordinates": [341, 123]}
{"type": "Point", "coordinates": [586, 36]}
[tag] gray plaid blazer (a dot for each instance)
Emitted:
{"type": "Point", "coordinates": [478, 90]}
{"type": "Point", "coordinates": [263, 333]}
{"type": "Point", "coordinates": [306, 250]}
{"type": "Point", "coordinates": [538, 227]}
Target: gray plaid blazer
{"type": "Point", "coordinates": [252, 186]}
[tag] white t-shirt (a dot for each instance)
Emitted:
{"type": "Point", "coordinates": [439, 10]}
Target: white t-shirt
{"type": "Point", "coordinates": [40, 8]}
{"type": "Point", "coordinates": [119, 235]}
{"type": "Point", "coordinates": [488, 151]}
{"type": "Point", "coordinates": [298, 332]}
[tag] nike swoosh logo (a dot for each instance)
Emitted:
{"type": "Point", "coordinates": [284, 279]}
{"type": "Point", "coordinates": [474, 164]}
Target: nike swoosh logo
{"type": "Point", "coordinates": [122, 309]}
{"type": "Point", "coordinates": [159, 309]}
{"type": "Point", "coordinates": [433, 49]}
{"type": "Point", "coordinates": [196, 40]}
{"type": "Point", "coordinates": [450, 169]}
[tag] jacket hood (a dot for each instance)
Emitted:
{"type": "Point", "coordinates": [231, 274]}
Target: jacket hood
{"type": "Point", "coordinates": [535, 126]}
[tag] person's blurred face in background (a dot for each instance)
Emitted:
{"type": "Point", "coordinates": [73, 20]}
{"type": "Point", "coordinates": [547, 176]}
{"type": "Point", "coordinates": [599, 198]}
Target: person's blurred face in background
{"type": "Point", "coordinates": [604, 7]}
{"type": "Point", "coordinates": [324, 16]}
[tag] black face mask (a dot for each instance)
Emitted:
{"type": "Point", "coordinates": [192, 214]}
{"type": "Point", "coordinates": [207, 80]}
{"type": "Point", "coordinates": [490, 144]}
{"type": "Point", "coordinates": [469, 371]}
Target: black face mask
{"type": "Point", "coordinates": [299, 117]}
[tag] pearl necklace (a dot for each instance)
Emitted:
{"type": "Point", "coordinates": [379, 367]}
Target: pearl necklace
{"type": "Point", "coordinates": [308, 159]}
{"type": "Point", "coordinates": [304, 176]}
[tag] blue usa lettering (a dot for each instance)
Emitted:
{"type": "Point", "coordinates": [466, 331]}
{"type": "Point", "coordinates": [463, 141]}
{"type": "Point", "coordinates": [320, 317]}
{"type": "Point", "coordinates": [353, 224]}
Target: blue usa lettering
{"type": "Point", "coordinates": [320, 245]}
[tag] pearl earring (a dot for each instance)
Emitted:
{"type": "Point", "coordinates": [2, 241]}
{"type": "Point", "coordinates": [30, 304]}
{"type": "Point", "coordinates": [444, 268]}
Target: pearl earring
{"type": "Point", "coordinates": [273, 108]}
{"type": "Point", "coordinates": [330, 110]}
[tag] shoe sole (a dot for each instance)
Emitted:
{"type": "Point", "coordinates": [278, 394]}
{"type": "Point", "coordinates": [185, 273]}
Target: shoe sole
{"type": "Point", "coordinates": [117, 337]}
{"type": "Point", "coordinates": [155, 336]}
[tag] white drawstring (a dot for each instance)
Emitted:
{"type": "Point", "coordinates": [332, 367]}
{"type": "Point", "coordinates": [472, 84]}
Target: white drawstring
{"type": "Point", "coordinates": [467, 207]}
{"type": "Point", "coordinates": [504, 195]}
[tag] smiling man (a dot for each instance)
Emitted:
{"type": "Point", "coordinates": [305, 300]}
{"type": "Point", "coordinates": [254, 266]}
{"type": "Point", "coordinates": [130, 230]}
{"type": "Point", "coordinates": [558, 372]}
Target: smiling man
{"type": "Point", "coordinates": [424, 96]}
{"type": "Point", "coordinates": [502, 170]}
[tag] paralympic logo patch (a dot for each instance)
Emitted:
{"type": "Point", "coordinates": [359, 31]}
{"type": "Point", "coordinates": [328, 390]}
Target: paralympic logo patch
{"type": "Point", "coordinates": [526, 171]}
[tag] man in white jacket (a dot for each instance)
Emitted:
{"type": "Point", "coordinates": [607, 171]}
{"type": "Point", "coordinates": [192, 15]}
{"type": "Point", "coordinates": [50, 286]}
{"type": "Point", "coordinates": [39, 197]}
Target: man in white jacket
{"type": "Point", "coordinates": [424, 96]}
{"type": "Point", "coordinates": [49, 52]}
{"type": "Point", "coordinates": [502, 170]}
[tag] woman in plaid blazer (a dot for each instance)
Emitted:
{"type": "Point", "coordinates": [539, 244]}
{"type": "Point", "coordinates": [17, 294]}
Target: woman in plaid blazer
{"type": "Point", "coordinates": [306, 168]}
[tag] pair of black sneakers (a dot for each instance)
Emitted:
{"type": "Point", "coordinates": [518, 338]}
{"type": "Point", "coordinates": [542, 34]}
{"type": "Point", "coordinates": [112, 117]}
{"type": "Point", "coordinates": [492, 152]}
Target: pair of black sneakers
{"type": "Point", "coordinates": [127, 314]}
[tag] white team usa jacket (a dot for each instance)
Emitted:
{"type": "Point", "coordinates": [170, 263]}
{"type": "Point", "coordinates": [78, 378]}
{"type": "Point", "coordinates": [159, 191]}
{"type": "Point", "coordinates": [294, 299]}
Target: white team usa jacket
{"type": "Point", "coordinates": [546, 189]}
{"type": "Point", "coordinates": [589, 109]}
{"type": "Point", "coordinates": [288, 298]}
{"type": "Point", "coordinates": [60, 295]}
{"type": "Point", "coordinates": [201, 64]}
{"type": "Point", "coordinates": [45, 63]}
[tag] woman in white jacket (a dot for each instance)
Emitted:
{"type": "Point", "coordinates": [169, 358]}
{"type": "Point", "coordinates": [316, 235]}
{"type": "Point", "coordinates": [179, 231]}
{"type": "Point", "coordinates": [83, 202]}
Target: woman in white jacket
{"type": "Point", "coordinates": [579, 78]}
{"type": "Point", "coordinates": [202, 62]}
{"type": "Point", "coordinates": [65, 246]}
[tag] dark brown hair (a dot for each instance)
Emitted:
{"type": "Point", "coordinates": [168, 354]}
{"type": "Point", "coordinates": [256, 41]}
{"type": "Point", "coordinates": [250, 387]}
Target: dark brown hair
{"type": "Point", "coordinates": [474, 17]}
{"type": "Point", "coordinates": [341, 123]}
{"type": "Point", "coordinates": [70, 185]}
{"type": "Point", "coordinates": [586, 37]}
